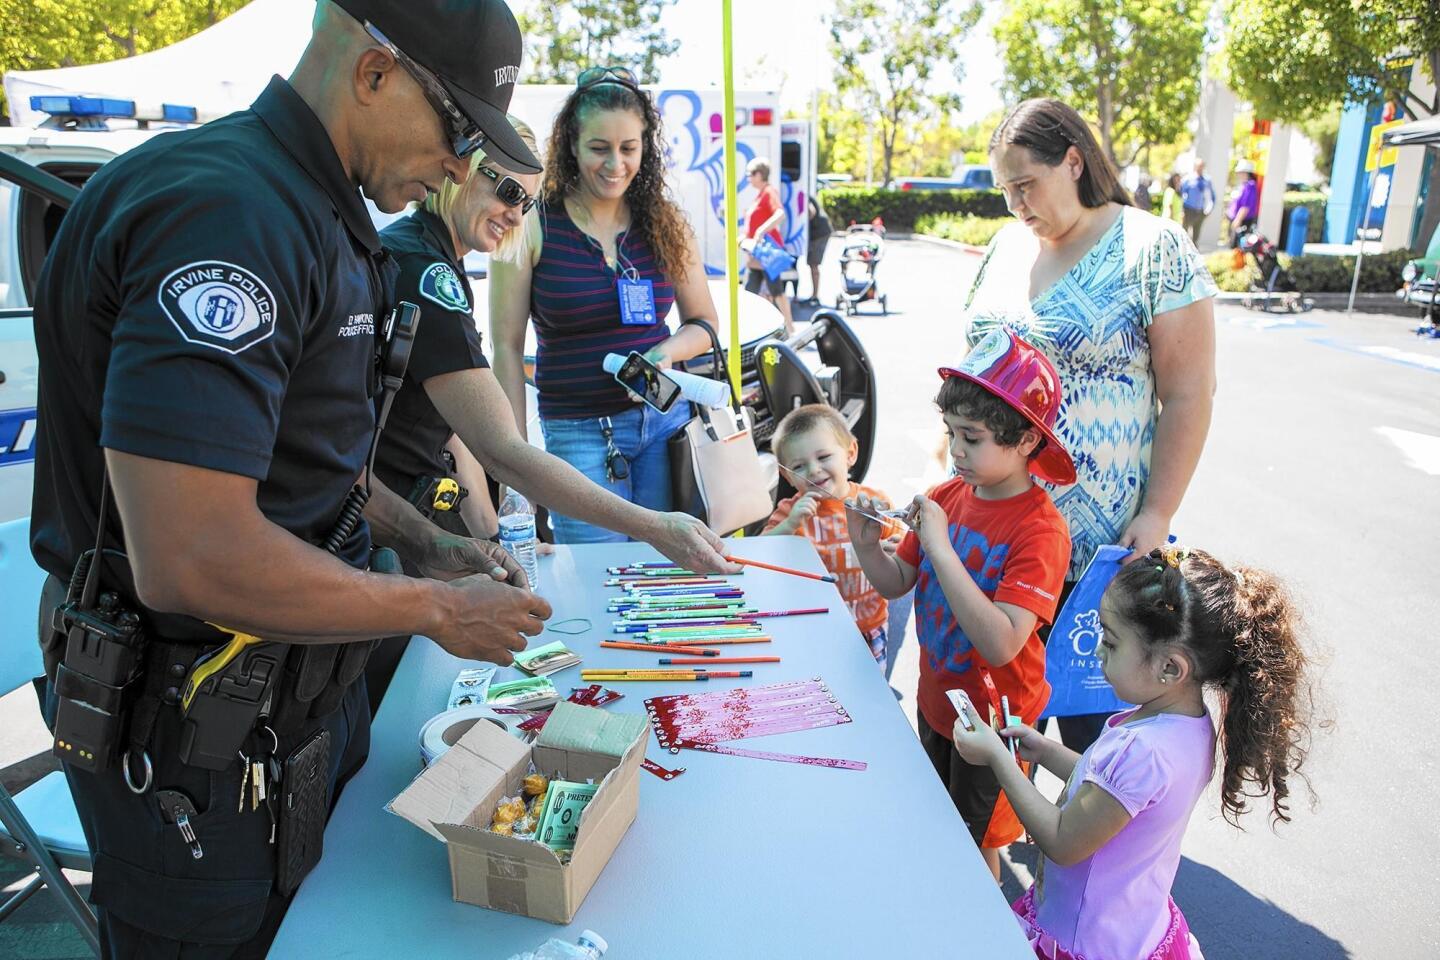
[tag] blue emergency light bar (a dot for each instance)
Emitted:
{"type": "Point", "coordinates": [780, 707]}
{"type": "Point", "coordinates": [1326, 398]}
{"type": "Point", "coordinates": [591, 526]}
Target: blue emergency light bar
{"type": "Point", "coordinates": [107, 108]}
{"type": "Point", "coordinates": [83, 106]}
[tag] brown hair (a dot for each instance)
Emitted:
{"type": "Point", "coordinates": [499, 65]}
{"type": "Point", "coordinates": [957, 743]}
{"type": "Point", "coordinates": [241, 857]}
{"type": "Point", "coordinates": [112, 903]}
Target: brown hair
{"type": "Point", "coordinates": [1048, 128]}
{"type": "Point", "coordinates": [1241, 631]}
{"type": "Point", "coordinates": [653, 214]}
{"type": "Point", "coordinates": [803, 419]}
{"type": "Point", "coordinates": [966, 398]}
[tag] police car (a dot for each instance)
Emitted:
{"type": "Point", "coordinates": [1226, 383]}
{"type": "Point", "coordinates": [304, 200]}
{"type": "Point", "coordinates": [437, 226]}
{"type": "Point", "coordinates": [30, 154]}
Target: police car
{"type": "Point", "coordinates": [42, 167]}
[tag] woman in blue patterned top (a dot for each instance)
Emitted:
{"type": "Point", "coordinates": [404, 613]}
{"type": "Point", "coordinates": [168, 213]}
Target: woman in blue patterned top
{"type": "Point", "coordinates": [1120, 301]}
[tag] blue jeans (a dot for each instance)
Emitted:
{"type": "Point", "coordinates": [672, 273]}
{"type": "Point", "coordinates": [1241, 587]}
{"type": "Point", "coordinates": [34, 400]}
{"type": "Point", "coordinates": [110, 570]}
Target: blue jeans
{"type": "Point", "coordinates": [641, 436]}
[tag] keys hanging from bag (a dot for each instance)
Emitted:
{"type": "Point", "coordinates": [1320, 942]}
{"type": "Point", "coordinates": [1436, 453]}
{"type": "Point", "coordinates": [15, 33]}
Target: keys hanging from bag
{"type": "Point", "coordinates": [716, 472]}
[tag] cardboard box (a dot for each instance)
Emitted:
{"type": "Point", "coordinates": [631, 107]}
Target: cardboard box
{"type": "Point", "coordinates": [454, 798]}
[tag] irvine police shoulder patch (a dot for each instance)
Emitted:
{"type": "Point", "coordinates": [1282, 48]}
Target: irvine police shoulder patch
{"type": "Point", "coordinates": [219, 305]}
{"type": "Point", "coordinates": [439, 284]}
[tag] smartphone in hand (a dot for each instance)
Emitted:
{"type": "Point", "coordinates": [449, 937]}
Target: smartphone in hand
{"type": "Point", "coordinates": [648, 382]}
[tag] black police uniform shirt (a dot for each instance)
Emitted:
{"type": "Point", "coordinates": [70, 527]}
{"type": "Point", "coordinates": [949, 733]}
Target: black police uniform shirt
{"type": "Point", "coordinates": [446, 341]}
{"type": "Point", "coordinates": [211, 299]}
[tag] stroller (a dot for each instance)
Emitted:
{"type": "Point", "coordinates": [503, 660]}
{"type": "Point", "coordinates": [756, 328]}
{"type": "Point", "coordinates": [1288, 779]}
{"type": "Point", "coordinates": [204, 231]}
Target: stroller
{"type": "Point", "coordinates": [1275, 283]}
{"type": "Point", "coordinates": [863, 250]}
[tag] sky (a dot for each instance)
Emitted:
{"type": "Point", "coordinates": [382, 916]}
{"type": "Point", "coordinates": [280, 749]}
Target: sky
{"type": "Point", "coordinates": [784, 45]}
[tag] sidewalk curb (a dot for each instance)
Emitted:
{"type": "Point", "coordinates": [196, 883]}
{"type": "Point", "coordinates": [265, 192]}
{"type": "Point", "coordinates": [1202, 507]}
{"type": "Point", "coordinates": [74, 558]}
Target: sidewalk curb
{"type": "Point", "coordinates": [966, 248]}
{"type": "Point", "coordinates": [1386, 303]}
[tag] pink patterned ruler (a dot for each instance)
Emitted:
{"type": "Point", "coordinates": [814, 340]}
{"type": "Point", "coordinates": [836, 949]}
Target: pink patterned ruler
{"type": "Point", "coordinates": [741, 692]}
{"type": "Point", "coordinates": [703, 721]}
{"type": "Point", "coordinates": [799, 715]}
{"type": "Point", "coordinates": [764, 755]}
{"type": "Point", "coordinates": [740, 730]}
{"type": "Point", "coordinates": [659, 771]}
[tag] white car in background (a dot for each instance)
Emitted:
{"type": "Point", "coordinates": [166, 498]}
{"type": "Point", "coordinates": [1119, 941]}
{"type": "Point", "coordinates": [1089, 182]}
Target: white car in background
{"type": "Point", "coordinates": [41, 169]}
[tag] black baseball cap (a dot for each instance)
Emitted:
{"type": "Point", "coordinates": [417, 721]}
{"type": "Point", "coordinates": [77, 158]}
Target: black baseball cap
{"type": "Point", "coordinates": [473, 47]}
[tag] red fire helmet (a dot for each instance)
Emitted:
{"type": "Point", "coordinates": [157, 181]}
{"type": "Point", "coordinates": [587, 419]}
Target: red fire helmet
{"type": "Point", "coordinates": [1023, 377]}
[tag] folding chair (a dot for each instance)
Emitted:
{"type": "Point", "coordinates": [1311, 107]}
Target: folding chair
{"type": "Point", "coordinates": [39, 824]}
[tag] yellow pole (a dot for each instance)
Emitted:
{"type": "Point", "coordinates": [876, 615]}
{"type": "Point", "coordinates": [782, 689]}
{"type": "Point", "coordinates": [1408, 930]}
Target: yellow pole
{"type": "Point", "coordinates": [732, 203]}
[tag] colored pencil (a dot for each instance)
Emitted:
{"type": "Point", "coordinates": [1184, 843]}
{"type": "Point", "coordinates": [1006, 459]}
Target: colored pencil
{"type": "Point", "coordinates": [649, 678]}
{"type": "Point", "coordinates": [666, 661]}
{"type": "Point", "coordinates": [827, 578]}
{"type": "Point", "coordinates": [692, 651]}
{"type": "Point", "coordinates": [666, 644]}
{"type": "Point", "coordinates": [662, 677]}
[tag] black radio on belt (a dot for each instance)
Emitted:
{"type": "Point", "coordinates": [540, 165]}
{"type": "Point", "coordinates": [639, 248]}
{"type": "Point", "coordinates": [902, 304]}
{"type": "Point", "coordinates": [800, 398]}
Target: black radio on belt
{"type": "Point", "coordinates": [101, 670]}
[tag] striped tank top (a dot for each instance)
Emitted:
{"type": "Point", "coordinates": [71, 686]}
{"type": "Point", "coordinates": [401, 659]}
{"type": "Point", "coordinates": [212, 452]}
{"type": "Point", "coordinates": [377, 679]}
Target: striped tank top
{"type": "Point", "coordinates": [575, 306]}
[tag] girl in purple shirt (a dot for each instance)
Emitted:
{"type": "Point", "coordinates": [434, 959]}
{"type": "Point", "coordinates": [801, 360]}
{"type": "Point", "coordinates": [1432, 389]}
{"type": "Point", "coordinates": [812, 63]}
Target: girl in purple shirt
{"type": "Point", "coordinates": [1174, 624]}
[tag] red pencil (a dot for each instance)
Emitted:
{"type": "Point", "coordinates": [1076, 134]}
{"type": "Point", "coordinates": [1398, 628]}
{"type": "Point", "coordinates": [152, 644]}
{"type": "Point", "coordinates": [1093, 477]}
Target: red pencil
{"type": "Point", "coordinates": [709, 660]}
{"type": "Point", "coordinates": [650, 647]}
{"type": "Point", "coordinates": [770, 566]}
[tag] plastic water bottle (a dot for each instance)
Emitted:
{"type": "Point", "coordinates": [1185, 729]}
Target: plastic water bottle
{"type": "Point", "coordinates": [517, 534]}
{"type": "Point", "coordinates": [590, 946]}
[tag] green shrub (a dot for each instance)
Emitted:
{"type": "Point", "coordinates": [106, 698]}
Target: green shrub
{"type": "Point", "coordinates": [1379, 273]}
{"type": "Point", "coordinates": [962, 228]}
{"type": "Point", "coordinates": [900, 209]}
{"type": "Point", "coordinates": [1227, 278]}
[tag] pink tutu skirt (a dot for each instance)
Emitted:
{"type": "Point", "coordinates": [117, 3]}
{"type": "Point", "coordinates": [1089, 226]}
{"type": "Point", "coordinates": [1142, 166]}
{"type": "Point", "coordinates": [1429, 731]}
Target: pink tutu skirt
{"type": "Point", "coordinates": [1177, 944]}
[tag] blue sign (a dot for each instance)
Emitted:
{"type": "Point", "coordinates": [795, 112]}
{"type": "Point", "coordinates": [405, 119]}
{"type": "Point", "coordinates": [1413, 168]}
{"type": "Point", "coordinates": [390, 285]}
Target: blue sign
{"type": "Point", "coordinates": [17, 436]}
{"type": "Point", "coordinates": [1072, 659]}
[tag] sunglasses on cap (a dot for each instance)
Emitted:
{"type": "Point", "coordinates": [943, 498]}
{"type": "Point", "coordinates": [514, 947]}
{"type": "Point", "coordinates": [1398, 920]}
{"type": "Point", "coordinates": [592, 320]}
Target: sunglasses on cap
{"type": "Point", "coordinates": [509, 191]}
{"type": "Point", "coordinates": [465, 134]}
{"type": "Point", "coordinates": [598, 75]}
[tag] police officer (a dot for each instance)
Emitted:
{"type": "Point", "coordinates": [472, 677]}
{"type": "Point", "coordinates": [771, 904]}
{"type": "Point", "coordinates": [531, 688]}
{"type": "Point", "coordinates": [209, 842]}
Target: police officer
{"type": "Point", "coordinates": [449, 387]}
{"type": "Point", "coordinates": [207, 325]}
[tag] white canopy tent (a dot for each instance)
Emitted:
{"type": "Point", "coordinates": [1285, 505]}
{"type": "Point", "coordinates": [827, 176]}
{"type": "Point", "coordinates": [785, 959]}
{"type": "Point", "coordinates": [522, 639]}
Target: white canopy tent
{"type": "Point", "coordinates": [218, 70]}
{"type": "Point", "coordinates": [1420, 133]}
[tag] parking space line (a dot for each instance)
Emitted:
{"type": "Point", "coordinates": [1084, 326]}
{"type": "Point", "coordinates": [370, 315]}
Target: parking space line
{"type": "Point", "coordinates": [1420, 361]}
{"type": "Point", "coordinates": [1420, 450]}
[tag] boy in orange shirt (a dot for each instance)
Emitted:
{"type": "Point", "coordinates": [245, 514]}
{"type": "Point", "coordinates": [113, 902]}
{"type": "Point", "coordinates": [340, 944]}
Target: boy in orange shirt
{"type": "Point", "coordinates": [987, 561]}
{"type": "Point", "coordinates": [814, 442]}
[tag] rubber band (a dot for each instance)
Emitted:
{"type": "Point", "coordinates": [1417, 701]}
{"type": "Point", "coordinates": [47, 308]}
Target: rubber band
{"type": "Point", "coordinates": [555, 627]}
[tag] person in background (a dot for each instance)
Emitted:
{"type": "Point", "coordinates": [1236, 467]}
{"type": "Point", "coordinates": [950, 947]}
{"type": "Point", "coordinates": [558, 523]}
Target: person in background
{"type": "Point", "coordinates": [820, 230]}
{"type": "Point", "coordinates": [1177, 625]}
{"type": "Point", "coordinates": [1142, 193]}
{"type": "Point", "coordinates": [765, 218]}
{"type": "Point", "coordinates": [814, 442]}
{"type": "Point", "coordinates": [1172, 207]}
{"type": "Point", "coordinates": [1244, 207]}
{"type": "Point", "coordinates": [609, 255]}
{"type": "Point", "coordinates": [1138, 393]}
{"type": "Point", "coordinates": [1197, 194]}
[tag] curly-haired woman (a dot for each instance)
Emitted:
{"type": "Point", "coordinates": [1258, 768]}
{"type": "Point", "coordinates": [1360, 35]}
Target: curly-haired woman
{"type": "Point", "coordinates": [609, 243]}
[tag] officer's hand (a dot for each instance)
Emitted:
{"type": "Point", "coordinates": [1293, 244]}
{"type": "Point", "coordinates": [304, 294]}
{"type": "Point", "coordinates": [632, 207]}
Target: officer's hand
{"type": "Point", "coordinates": [690, 544]}
{"type": "Point", "coordinates": [447, 556]}
{"type": "Point", "coordinates": [485, 620]}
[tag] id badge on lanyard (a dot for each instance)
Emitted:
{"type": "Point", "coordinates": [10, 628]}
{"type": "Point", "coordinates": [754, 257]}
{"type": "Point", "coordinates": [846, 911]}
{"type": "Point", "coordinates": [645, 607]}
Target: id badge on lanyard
{"type": "Point", "coordinates": [637, 301]}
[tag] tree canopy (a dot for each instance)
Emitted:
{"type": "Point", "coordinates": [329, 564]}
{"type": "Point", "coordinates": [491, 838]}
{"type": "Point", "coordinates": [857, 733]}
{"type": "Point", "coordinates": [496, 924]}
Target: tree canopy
{"type": "Point", "coordinates": [1297, 59]}
{"type": "Point", "coordinates": [39, 34]}
{"type": "Point", "coordinates": [1132, 67]}
{"type": "Point", "coordinates": [564, 37]}
{"type": "Point", "coordinates": [886, 55]}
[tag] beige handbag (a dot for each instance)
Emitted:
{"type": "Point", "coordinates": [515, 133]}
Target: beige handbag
{"type": "Point", "coordinates": [716, 473]}
{"type": "Point", "coordinates": [729, 475]}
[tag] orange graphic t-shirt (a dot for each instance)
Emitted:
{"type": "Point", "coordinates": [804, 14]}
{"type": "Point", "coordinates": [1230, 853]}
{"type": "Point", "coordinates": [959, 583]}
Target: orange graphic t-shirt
{"type": "Point", "coordinates": [830, 534]}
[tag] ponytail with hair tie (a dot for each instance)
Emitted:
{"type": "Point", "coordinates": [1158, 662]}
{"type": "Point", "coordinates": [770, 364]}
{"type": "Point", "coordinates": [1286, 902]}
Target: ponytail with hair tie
{"type": "Point", "coordinates": [1242, 634]}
